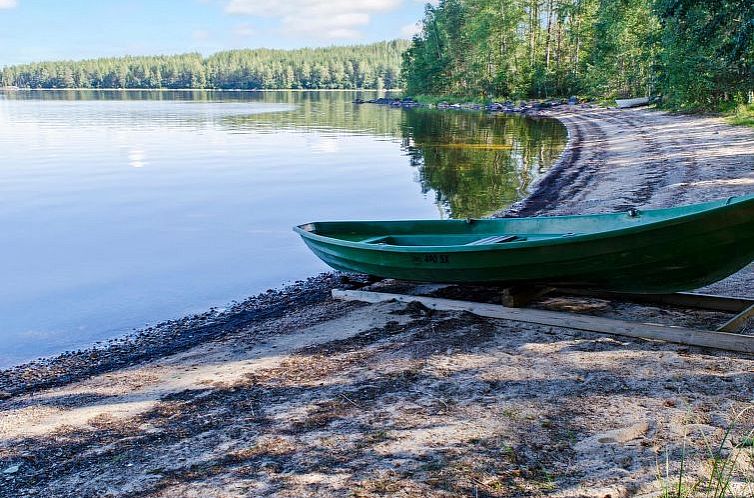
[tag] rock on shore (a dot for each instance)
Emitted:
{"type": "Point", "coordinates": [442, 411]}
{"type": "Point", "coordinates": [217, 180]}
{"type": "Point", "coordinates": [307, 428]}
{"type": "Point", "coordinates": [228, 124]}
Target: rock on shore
{"type": "Point", "coordinates": [522, 107]}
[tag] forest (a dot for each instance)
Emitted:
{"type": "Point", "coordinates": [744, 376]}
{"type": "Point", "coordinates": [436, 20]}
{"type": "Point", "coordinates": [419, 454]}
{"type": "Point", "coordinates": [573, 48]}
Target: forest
{"type": "Point", "coordinates": [374, 66]}
{"type": "Point", "coordinates": [695, 54]}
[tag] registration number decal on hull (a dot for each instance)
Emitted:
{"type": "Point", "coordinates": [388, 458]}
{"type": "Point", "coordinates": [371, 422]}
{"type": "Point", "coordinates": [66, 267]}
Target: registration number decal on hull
{"type": "Point", "coordinates": [430, 259]}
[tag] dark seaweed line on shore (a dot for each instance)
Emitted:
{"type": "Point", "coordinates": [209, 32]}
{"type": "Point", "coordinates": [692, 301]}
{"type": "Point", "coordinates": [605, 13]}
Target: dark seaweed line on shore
{"type": "Point", "coordinates": [163, 339]}
{"type": "Point", "coordinates": [561, 179]}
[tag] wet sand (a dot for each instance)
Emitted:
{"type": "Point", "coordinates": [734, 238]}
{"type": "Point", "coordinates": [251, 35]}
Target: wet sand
{"type": "Point", "coordinates": [293, 394]}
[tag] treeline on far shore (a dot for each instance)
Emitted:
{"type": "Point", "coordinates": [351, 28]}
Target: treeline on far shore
{"type": "Point", "coordinates": [373, 66]}
{"type": "Point", "coordinates": [696, 54]}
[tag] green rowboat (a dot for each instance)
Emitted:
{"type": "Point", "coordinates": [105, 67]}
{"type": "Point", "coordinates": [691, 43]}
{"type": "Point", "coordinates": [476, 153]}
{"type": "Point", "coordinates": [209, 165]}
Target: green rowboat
{"type": "Point", "coordinates": [639, 251]}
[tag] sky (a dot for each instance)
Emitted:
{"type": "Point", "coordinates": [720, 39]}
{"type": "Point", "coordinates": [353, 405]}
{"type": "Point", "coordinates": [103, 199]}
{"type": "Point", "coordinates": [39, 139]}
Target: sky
{"type": "Point", "coordinates": [37, 30]}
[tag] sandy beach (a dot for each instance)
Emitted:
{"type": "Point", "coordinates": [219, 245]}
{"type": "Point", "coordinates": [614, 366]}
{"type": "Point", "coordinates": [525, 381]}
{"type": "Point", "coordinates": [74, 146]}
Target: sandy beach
{"type": "Point", "coordinates": [293, 394]}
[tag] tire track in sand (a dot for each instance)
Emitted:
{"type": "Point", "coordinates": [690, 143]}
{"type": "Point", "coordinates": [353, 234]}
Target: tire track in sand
{"type": "Point", "coordinates": [618, 159]}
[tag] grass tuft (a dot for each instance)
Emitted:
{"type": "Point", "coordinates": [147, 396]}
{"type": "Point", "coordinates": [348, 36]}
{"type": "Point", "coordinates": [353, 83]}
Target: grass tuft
{"type": "Point", "coordinates": [742, 115]}
{"type": "Point", "coordinates": [724, 467]}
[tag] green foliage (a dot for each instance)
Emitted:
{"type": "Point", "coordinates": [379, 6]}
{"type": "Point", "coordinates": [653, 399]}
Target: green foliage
{"type": "Point", "coordinates": [429, 54]}
{"type": "Point", "coordinates": [375, 66]}
{"type": "Point", "coordinates": [697, 54]}
{"type": "Point", "coordinates": [516, 48]}
{"type": "Point", "coordinates": [626, 43]}
{"type": "Point", "coordinates": [708, 56]}
{"type": "Point", "coordinates": [433, 100]}
{"type": "Point", "coordinates": [743, 115]}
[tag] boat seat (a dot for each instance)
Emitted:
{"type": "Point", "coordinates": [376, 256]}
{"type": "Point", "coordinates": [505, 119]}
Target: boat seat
{"type": "Point", "coordinates": [380, 239]}
{"type": "Point", "coordinates": [495, 239]}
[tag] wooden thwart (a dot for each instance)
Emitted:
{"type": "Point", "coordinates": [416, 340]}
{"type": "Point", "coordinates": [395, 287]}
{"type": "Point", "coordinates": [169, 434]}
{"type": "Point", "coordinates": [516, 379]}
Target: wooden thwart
{"type": "Point", "coordinates": [679, 335]}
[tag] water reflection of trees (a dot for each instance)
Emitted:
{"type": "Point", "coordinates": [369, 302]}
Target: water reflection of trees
{"type": "Point", "coordinates": [476, 164]}
{"type": "Point", "coordinates": [473, 163]}
{"type": "Point", "coordinates": [333, 111]}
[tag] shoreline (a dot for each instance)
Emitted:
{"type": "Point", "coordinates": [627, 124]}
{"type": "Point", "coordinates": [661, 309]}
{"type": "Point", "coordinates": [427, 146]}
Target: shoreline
{"type": "Point", "coordinates": [164, 338]}
{"type": "Point", "coordinates": [616, 159]}
{"type": "Point", "coordinates": [239, 90]}
{"type": "Point", "coordinates": [291, 393]}
{"type": "Point", "coordinates": [134, 337]}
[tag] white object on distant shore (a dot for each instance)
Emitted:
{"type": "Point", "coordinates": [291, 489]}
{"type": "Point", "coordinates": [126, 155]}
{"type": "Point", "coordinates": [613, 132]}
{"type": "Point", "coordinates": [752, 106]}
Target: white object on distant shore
{"type": "Point", "coordinates": [625, 103]}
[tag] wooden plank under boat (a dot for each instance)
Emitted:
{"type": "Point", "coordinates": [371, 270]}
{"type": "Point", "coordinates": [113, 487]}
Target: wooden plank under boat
{"type": "Point", "coordinates": [638, 251]}
{"type": "Point", "coordinates": [719, 339]}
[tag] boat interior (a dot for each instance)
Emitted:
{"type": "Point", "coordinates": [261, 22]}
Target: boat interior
{"type": "Point", "coordinates": [454, 239]}
{"type": "Point", "coordinates": [501, 231]}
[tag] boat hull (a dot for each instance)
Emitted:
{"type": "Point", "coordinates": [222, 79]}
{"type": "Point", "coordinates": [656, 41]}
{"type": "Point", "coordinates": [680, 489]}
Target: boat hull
{"type": "Point", "coordinates": [651, 252]}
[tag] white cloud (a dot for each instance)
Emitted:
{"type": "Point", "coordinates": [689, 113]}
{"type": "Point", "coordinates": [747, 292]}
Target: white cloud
{"type": "Point", "coordinates": [8, 4]}
{"type": "Point", "coordinates": [409, 30]}
{"type": "Point", "coordinates": [316, 18]}
{"type": "Point", "coordinates": [244, 30]}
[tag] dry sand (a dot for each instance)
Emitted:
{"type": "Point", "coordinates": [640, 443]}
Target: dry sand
{"type": "Point", "coordinates": [323, 398]}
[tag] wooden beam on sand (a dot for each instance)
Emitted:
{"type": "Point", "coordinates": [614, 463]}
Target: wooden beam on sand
{"type": "Point", "coordinates": [737, 321]}
{"type": "Point", "coordinates": [681, 299]}
{"type": "Point", "coordinates": [678, 335]}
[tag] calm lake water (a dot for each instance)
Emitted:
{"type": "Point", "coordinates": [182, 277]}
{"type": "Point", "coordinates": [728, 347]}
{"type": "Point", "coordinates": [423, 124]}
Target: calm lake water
{"type": "Point", "coordinates": [119, 209]}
